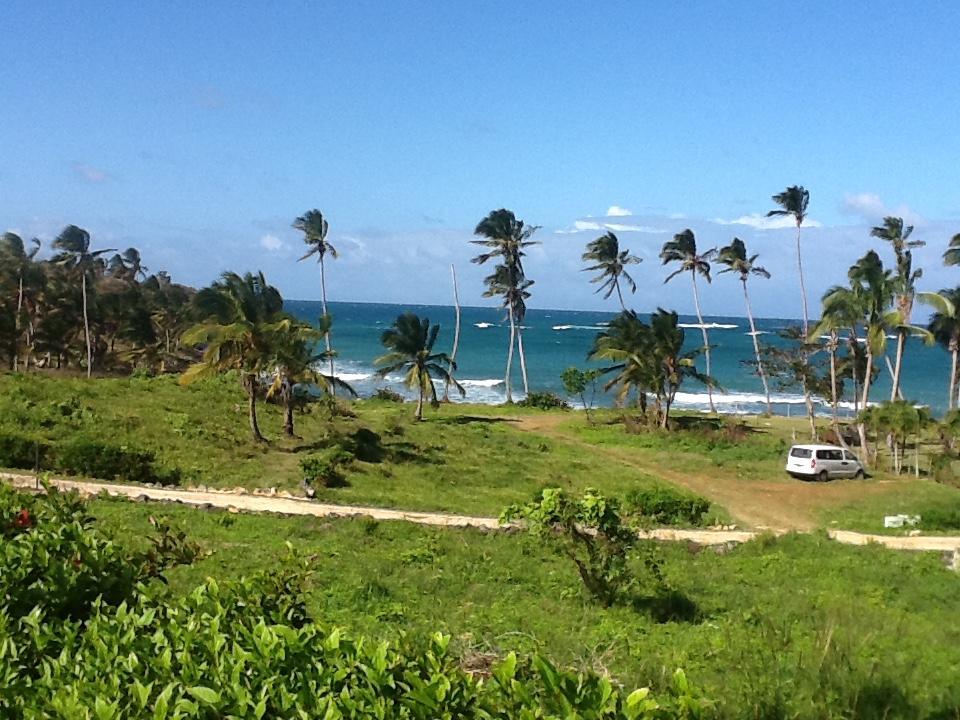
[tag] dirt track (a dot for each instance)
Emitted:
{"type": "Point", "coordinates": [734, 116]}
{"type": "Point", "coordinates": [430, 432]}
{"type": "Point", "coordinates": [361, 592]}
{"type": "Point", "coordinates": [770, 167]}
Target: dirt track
{"type": "Point", "coordinates": [247, 502]}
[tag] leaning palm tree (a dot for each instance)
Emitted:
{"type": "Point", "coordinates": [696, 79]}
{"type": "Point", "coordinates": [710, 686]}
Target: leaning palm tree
{"type": "Point", "coordinates": [611, 262]}
{"type": "Point", "coordinates": [127, 265]}
{"type": "Point", "coordinates": [793, 202]}
{"type": "Point", "coordinates": [242, 316]}
{"type": "Point", "coordinates": [505, 238]}
{"type": "Point", "coordinates": [683, 250]}
{"type": "Point", "coordinates": [503, 284]}
{"type": "Point", "coordinates": [945, 327]}
{"type": "Point", "coordinates": [842, 311]}
{"type": "Point", "coordinates": [952, 254]}
{"type": "Point", "coordinates": [295, 365]}
{"type": "Point", "coordinates": [897, 234]}
{"type": "Point", "coordinates": [734, 256]}
{"type": "Point", "coordinates": [73, 245]}
{"type": "Point", "coordinates": [16, 256]}
{"type": "Point", "coordinates": [410, 344]}
{"type": "Point", "coordinates": [314, 227]}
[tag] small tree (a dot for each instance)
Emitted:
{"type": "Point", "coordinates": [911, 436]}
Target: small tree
{"type": "Point", "coordinates": [577, 382]}
{"type": "Point", "coordinates": [590, 532]}
{"type": "Point", "coordinates": [900, 421]}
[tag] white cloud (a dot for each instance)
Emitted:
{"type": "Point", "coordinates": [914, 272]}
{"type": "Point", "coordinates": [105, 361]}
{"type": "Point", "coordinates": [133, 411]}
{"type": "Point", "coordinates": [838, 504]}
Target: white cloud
{"type": "Point", "coordinates": [598, 226]}
{"type": "Point", "coordinates": [762, 222]}
{"type": "Point", "coordinates": [617, 211]}
{"type": "Point", "coordinates": [90, 173]}
{"type": "Point", "coordinates": [272, 243]}
{"type": "Point", "coordinates": [872, 209]}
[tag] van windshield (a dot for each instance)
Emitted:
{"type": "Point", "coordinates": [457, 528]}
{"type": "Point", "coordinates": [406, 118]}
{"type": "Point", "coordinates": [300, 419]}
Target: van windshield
{"type": "Point", "coordinates": [800, 452]}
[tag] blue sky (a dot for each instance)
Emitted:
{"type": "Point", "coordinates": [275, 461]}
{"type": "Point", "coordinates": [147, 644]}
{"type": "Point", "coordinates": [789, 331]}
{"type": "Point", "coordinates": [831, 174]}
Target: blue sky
{"type": "Point", "coordinates": [198, 131]}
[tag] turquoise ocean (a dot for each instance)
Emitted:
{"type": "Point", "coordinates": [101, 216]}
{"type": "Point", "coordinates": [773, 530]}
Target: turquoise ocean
{"type": "Point", "coordinates": [556, 339]}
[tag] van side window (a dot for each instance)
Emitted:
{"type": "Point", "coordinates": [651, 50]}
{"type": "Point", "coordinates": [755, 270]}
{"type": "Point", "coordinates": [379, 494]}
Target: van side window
{"type": "Point", "coordinates": [823, 455]}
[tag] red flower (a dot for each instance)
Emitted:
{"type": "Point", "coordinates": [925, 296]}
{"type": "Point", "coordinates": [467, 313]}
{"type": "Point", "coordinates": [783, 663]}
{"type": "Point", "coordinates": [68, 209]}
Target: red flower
{"type": "Point", "coordinates": [22, 519]}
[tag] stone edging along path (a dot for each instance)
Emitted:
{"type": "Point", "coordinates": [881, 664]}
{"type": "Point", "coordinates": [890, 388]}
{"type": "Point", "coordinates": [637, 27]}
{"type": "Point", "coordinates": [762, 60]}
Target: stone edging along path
{"type": "Point", "coordinates": [242, 501]}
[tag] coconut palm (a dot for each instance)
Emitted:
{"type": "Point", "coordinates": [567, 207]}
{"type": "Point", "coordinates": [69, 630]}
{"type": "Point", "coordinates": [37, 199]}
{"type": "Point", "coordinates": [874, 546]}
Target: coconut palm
{"type": "Point", "coordinates": [945, 327]}
{"type": "Point", "coordinates": [502, 283]}
{"type": "Point", "coordinates": [410, 343]}
{"type": "Point", "coordinates": [952, 254]}
{"type": "Point", "coordinates": [17, 258]}
{"type": "Point", "coordinates": [734, 256]}
{"type": "Point", "coordinates": [295, 362]}
{"type": "Point", "coordinates": [314, 227]}
{"type": "Point", "coordinates": [73, 245]}
{"type": "Point", "coordinates": [242, 315]}
{"type": "Point", "coordinates": [793, 202]}
{"type": "Point", "coordinates": [611, 261]}
{"type": "Point", "coordinates": [505, 238]}
{"type": "Point", "coordinates": [127, 265]}
{"type": "Point", "coordinates": [626, 341]}
{"type": "Point", "coordinates": [897, 234]}
{"type": "Point", "coordinates": [683, 251]}
{"type": "Point", "coordinates": [842, 311]}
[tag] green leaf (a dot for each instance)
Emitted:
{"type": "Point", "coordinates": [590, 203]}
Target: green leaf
{"type": "Point", "coordinates": [204, 694]}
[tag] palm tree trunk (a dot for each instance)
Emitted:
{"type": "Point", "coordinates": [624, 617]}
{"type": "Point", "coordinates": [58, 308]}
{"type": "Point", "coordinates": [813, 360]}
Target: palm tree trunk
{"type": "Point", "coordinates": [513, 332]}
{"type": "Point", "coordinates": [954, 350]}
{"type": "Point", "coordinates": [326, 335]}
{"type": "Point", "coordinates": [756, 348]}
{"type": "Point", "coordinates": [456, 335]}
{"type": "Point", "coordinates": [286, 393]}
{"type": "Point", "coordinates": [616, 284]}
{"type": "Point", "coordinates": [803, 286]}
{"type": "Point", "coordinates": [834, 342]}
{"type": "Point", "coordinates": [250, 385]}
{"type": "Point", "coordinates": [86, 322]}
{"type": "Point", "coordinates": [861, 428]}
{"type": "Point", "coordinates": [898, 363]}
{"type": "Point", "coordinates": [16, 323]}
{"type": "Point", "coordinates": [419, 412]}
{"type": "Point", "coordinates": [523, 360]}
{"type": "Point", "coordinates": [706, 341]}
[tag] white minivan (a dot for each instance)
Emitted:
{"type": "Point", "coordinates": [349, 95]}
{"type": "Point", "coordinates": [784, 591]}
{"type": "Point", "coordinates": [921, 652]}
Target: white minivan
{"type": "Point", "coordinates": [822, 462]}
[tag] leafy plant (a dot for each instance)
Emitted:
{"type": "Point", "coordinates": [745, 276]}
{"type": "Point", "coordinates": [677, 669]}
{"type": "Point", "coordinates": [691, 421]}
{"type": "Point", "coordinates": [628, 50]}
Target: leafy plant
{"type": "Point", "coordinates": [325, 468]}
{"type": "Point", "coordinates": [542, 400]}
{"type": "Point", "coordinates": [664, 505]}
{"type": "Point", "coordinates": [577, 382]}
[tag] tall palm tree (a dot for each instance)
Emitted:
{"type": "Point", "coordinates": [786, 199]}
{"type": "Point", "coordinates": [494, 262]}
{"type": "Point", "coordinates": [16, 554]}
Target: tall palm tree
{"type": "Point", "coordinates": [16, 256]}
{"type": "Point", "coordinates": [502, 283]}
{"type": "Point", "coordinates": [897, 234]}
{"type": "Point", "coordinates": [611, 261]}
{"type": "Point", "coordinates": [242, 316]}
{"type": "Point", "coordinates": [683, 250]}
{"type": "Point", "coordinates": [875, 287]}
{"type": "Point", "coordinates": [952, 255]}
{"type": "Point", "coordinates": [505, 238]}
{"type": "Point", "coordinates": [945, 327]}
{"type": "Point", "coordinates": [734, 256]}
{"type": "Point", "coordinates": [410, 344]}
{"type": "Point", "coordinates": [315, 227]}
{"type": "Point", "coordinates": [73, 245]}
{"type": "Point", "coordinates": [793, 202]}
{"type": "Point", "coordinates": [842, 310]}
{"type": "Point", "coordinates": [295, 362]}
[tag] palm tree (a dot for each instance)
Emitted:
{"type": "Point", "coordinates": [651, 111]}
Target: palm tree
{"type": "Point", "coordinates": [127, 265]}
{"type": "Point", "coordinates": [74, 252]}
{"type": "Point", "coordinates": [242, 315]}
{"type": "Point", "coordinates": [611, 261]}
{"type": "Point", "coordinates": [503, 283]}
{"type": "Point", "coordinates": [897, 234]}
{"type": "Point", "coordinates": [945, 327]}
{"type": "Point", "coordinates": [842, 310]}
{"type": "Point", "coordinates": [295, 362]}
{"type": "Point", "coordinates": [952, 255]}
{"type": "Point", "coordinates": [314, 227]}
{"type": "Point", "coordinates": [505, 237]}
{"type": "Point", "coordinates": [793, 202]}
{"type": "Point", "coordinates": [734, 256]}
{"type": "Point", "coordinates": [683, 250]}
{"type": "Point", "coordinates": [410, 343]}
{"type": "Point", "coordinates": [17, 257]}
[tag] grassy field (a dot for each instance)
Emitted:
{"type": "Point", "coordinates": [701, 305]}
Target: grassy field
{"type": "Point", "coordinates": [463, 458]}
{"type": "Point", "coordinates": [791, 627]}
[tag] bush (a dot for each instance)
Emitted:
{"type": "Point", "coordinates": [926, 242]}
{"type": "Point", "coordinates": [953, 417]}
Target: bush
{"type": "Point", "coordinates": [82, 456]}
{"type": "Point", "coordinates": [325, 468]}
{"type": "Point", "coordinates": [664, 505]}
{"type": "Point", "coordinates": [386, 395]}
{"type": "Point", "coordinates": [544, 401]}
{"type": "Point", "coordinates": [22, 452]}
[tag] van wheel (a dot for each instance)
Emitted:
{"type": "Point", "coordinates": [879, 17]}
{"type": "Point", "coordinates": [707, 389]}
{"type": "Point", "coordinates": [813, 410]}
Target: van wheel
{"type": "Point", "coordinates": [859, 475]}
{"type": "Point", "coordinates": [822, 476]}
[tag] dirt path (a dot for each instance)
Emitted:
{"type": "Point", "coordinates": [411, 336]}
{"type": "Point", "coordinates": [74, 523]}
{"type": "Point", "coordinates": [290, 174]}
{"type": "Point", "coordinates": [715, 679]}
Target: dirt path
{"type": "Point", "coordinates": [778, 505]}
{"type": "Point", "coordinates": [247, 502]}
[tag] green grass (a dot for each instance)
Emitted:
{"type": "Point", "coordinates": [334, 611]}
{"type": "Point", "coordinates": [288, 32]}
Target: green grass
{"type": "Point", "coordinates": [783, 627]}
{"type": "Point", "coordinates": [927, 499]}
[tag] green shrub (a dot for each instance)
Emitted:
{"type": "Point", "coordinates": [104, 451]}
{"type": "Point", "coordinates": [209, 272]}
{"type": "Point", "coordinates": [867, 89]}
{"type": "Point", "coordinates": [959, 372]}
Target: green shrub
{"type": "Point", "coordinates": [386, 395]}
{"type": "Point", "coordinates": [325, 468]}
{"type": "Point", "coordinates": [81, 456]}
{"type": "Point", "coordinates": [940, 518]}
{"type": "Point", "coordinates": [22, 452]}
{"type": "Point", "coordinates": [664, 505]}
{"type": "Point", "coordinates": [544, 401]}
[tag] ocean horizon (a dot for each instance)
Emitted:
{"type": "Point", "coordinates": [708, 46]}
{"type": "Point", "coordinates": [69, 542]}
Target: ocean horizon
{"type": "Point", "coordinates": [557, 339]}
